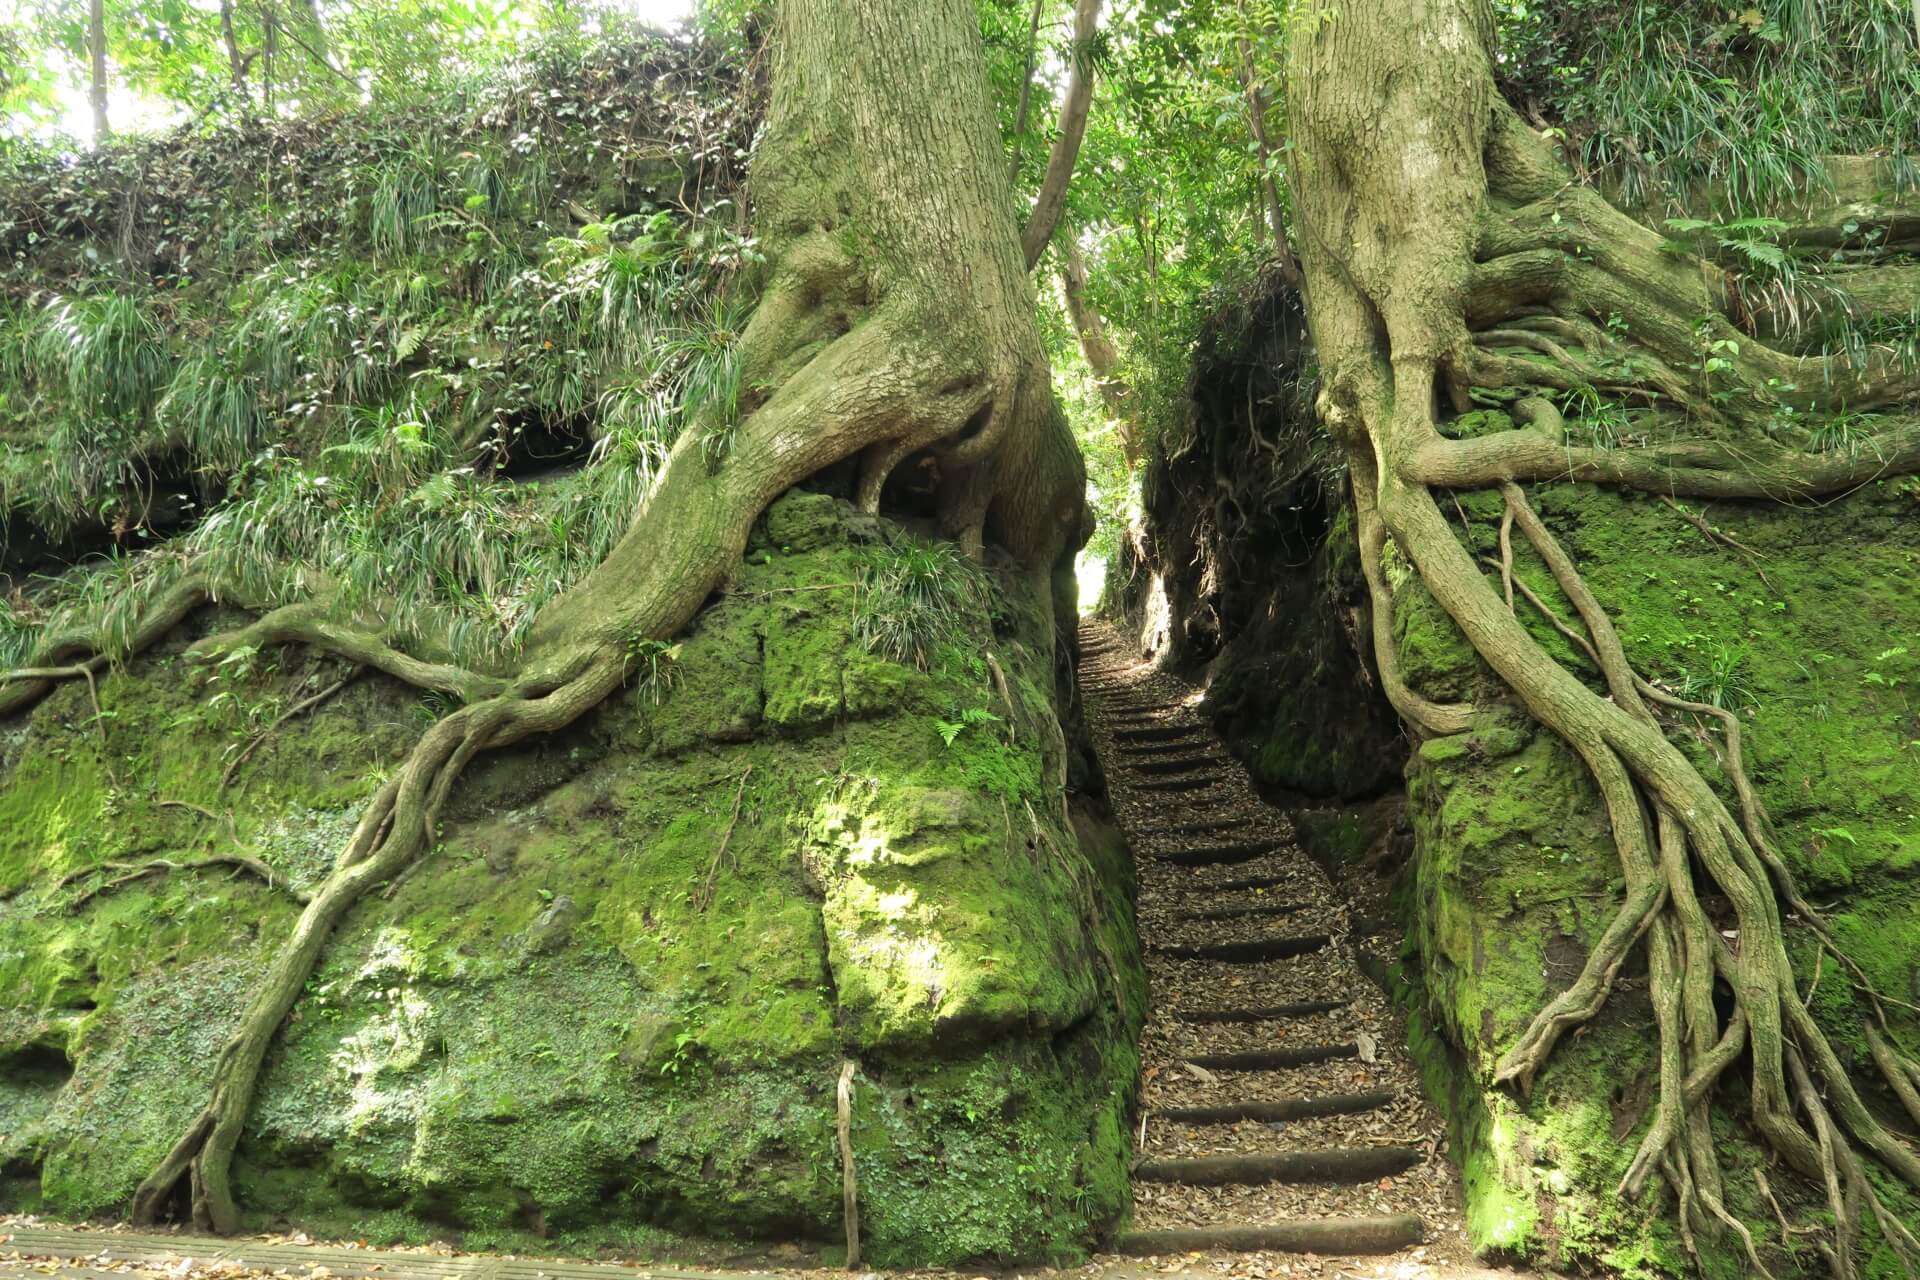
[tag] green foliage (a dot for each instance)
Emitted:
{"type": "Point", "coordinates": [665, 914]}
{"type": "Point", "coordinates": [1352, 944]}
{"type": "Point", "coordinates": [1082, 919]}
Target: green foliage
{"type": "Point", "coordinates": [914, 597]}
{"type": "Point", "coordinates": [412, 373]}
{"type": "Point", "coordinates": [1717, 674]}
{"type": "Point", "coordinates": [172, 59]}
{"type": "Point", "coordinates": [650, 663]}
{"type": "Point", "coordinates": [950, 730]}
{"type": "Point", "coordinates": [1724, 107]}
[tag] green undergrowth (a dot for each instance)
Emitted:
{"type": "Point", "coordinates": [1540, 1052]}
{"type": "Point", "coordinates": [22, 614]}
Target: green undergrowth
{"type": "Point", "coordinates": [610, 1007]}
{"type": "Point", "coordinates": [441, 351]}
{"type": "Point", "coordinates": [1515, 873]}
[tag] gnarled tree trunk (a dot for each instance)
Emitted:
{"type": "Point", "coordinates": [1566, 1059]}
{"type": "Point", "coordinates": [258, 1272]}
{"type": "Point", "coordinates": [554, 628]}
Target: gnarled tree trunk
{"type": "Point", "coordinates": [1437, 234]}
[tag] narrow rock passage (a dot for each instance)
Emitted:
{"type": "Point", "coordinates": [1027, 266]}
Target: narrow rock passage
{"type": "Point", "coordinates": [1280, 1109]}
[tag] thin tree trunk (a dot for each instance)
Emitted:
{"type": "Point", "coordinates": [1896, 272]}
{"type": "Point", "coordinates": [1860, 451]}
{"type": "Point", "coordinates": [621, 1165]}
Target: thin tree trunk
{"type": "Point", "coordinates": [1026, 91]}
{"type": "Point", "coordinates": [269, 46]}
{"type": "Point", "coordinates": [1257, 121]}
{"type": "Point", "coordinates": [1066, 144]}
{"type": "Point", "coordinates": [97, 66]}
{"type": "Point", "coordinates": [1098, 349]}
{"type": "Point", "coordinates": [236, 66]}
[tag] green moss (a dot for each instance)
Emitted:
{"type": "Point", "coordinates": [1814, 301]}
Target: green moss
{"type": "Point", "coordinates": [614, 1000]}
{"type": "Point", "coordinates": [1515, 872]}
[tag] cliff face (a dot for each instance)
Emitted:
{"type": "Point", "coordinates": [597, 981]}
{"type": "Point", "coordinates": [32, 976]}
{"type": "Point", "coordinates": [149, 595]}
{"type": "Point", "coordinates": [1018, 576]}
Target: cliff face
{"type": "Point", "coordinates": [1499, 868]}
{"type": "Point", "coordinates": [425, 361]}
{"type": "Point", "coordinates": [615, 1000]}
{"type": "Point", "coordinates": [1247, 574]}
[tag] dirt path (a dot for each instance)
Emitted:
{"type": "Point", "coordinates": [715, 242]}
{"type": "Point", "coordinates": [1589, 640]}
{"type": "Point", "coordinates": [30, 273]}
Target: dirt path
{"type": "Point", "coordinates": [1282, 1114]}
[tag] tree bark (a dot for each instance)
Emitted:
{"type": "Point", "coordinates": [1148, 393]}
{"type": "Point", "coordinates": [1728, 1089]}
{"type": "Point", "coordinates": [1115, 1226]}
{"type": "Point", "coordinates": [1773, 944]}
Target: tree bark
{"type": "Point", "coordinates": [236, 67]}
{"type": "Point", "coordinates": [97, 67]}
{"type": "Point", "coordinates": [1066, 143]}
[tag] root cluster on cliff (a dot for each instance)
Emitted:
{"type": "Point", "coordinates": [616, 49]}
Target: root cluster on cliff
{"type": "Point", "coordinates": [896, 321]}
{"type": "Point", "coordinates": [1447, 252]}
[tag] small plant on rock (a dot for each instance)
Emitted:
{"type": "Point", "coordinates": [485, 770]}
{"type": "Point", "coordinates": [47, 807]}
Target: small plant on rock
{"type": "Point", "coordinates": [913, 598]}
{"type": "Point", "coordinates": [650, 662]}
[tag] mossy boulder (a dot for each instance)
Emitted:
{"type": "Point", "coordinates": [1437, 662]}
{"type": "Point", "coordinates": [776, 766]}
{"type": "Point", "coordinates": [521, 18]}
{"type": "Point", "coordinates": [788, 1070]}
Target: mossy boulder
{"type": "Point", "coordinates": [615, 999]}
{"type": "Point", "coordinates": [1514, 873]}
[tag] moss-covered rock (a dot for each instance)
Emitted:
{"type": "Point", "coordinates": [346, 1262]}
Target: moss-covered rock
{"type": "Point", "coordinates": [616, 997]}
{"type": "Point", "coordinates": [1515, 874]}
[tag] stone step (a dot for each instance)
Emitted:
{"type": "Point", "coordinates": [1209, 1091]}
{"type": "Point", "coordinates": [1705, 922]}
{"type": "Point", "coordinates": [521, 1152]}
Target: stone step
{"type": "Point", "coordinates": [1243, 913]}
{"type": "Point", "coordinates": [1251, 951]}
{"type": "Point", "coordinates": [1274, 1059]}
{"type": "Point", "coordinates": [1338, 1104]}
{"type": "Point", "coordinates": [1343, 1166]}
{"type": "Point", "coordinates": [1219, 855]}
{"type": "Point", "coordinates": [1328, 1237]}
{"type": "Point", "coordinates": [1264, 1013]}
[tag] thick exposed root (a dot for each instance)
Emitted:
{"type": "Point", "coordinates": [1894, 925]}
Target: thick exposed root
{"type": "Point", "coordinates": [128, 872]}
{"type": "Point", "coordinates": [397, 827]}
{"type": "Point", "coordinates": [1420, 283]}
{"type": "Point", "coordinates": [70, 653]}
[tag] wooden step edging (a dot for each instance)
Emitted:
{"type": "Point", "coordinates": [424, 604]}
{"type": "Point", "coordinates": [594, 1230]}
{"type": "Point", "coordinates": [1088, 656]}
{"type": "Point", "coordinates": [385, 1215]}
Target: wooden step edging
{"type": "Point", "coordinates": [1330, 1237]}
{"type": "Point", "coordinates": [1155, 732]}
{"type": "Point", "coordinates": [1219, 855]}
{"type": "Point", "coordinates": [1235, 886]}
{"type": "Point", "coordinates": [1249, 952]}
{"type": "Point", "coordinates": [1243, 913]}
{"type": "Point", "coordinates": [1171, 767]}
{"type": "Point", "coordinates": [1274, 1059]}
{"type": "Point", "coordinates": [1339, 1104]}
{"type": "Point", "coordinates": [1269, 1013]}
{"type": "Point", "coordinates": [1180, 784]}
{"type": "Point", "coordinates": [1345, 1165]}
{"type": "Point", "coordinates": [1199, 827]}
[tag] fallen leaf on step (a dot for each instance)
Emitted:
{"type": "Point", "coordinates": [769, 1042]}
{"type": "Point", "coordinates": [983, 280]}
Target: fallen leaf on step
{"type": "Point", "coordinates": [1369, 1048]}
{"type": "Point", "coordinates": [1201, 1074]}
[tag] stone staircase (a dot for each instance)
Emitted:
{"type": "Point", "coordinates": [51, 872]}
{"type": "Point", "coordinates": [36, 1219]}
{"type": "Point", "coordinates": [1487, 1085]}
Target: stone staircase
{"type": "Point", "coordinates": [1280, 1111]}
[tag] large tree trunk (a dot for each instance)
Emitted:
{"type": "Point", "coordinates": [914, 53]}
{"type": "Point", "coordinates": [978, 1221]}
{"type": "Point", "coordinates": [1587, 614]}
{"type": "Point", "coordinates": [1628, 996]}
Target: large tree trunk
{"type": "Point", "coordinates": [1438, 233]}
{"type": "Point", "coordinates": [897, 320]}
